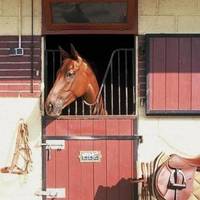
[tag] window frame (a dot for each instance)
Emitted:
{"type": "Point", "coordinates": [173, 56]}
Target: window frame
{"type": "Point", "coordinates": [129, 27]}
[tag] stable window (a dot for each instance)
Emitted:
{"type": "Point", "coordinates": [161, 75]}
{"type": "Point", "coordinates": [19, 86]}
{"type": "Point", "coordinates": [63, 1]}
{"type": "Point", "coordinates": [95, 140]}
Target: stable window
{"type": "Point", "coordinates": [173, 78]}
{"type": "Point", "coordinates": [89, 15]}
{"type": "Point", "coordinates": [112, 59]}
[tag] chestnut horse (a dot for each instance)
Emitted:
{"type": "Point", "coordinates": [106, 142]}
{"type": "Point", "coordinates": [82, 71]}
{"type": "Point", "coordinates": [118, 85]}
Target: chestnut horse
{"type": "Point", "coordinates": [74, 79]}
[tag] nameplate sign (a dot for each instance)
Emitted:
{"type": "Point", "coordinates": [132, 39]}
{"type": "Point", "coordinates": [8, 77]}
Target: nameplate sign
{"type": "Point", "coordinates": [90, 156]}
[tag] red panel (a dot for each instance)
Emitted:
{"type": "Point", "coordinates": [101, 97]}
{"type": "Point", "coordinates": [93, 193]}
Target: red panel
{"type": "Point", "coordinates": [126, 162]}
{"type": "Point", "coordinates": [150, 79]}
{"type": "Point", "coordinates": [62, 169]}
{"type": "Point", "coordinates": [171, 73]}
{"type": "Point", "coordinates": [174, 74]}
{"type": "Point", "coordinates": [75, 171]}
{"type": "Point", "coordinates": [100, 168]}
{"type": "Point", "coordinates": [74, 127]}
{"type": "Point", "coordinates": [51, 170]}
{"type": "Point", "coordinates": [86, 168]}
{"type": "Point", "coordinates": [195, 73]}
{"type": "Point", "coordinates": [61, 127]}
{"type": "Point", "coordinates": [158, 76]}
{"type": "Point", "coordinates": [50, 127]}
{"type": "Point", "coordinates": [86, 127]}
{"type": "Point", "coordinates": [112, 161]}
{"type": "Point", "coordinates": [105, 180]}
{"type": "Point", "coordinates": [185, 73]}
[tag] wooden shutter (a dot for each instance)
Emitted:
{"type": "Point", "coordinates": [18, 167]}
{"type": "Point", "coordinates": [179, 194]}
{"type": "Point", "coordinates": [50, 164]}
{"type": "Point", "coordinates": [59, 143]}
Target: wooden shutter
{"type": "Point", "coordinates": [173, 78]}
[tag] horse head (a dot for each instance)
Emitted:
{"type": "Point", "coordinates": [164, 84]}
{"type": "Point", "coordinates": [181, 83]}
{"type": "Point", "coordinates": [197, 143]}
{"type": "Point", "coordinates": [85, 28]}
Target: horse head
{"type": "Point", "coordinates": [74, 79]}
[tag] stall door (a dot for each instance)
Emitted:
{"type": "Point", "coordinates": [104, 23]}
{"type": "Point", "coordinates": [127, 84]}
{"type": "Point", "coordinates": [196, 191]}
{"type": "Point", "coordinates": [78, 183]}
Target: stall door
{"type": "Point", "coordinates": [90, 159]}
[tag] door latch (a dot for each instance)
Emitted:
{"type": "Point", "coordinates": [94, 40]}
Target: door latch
{"type": "Point", "coordinates": [53, 145]}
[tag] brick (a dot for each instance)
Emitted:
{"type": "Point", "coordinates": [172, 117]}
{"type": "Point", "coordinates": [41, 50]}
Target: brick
{"type": "Point", "coordinates": [180, 7]}
{"type": "Point", "coordinates": [0, 7]}
{"type": "Point", "coordinates": [26, 26]}
{"type": "Point", "coordinates": [157, 24]}
{"type": "Point", "coordinates": [188, 24]}
{"type": "Point", "coordinates": [9, 25]}
{"type": "Point", "coordinates": [10, 8]}
{"type": "Point", "coordinates": [9, 17]}
{"type": "Point", "coordinates": [147, 7]}
{"type": "Point", "coordinates": [26, 8]}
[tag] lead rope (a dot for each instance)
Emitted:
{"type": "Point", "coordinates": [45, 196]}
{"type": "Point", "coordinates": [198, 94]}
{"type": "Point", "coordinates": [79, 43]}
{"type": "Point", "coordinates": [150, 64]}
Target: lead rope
{"type": "Point", "coordinates": [21, 161]}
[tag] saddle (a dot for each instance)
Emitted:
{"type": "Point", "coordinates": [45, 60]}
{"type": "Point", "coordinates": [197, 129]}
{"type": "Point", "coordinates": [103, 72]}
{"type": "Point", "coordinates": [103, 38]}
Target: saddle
{"type": "Point", "coordinates": [173, 179]}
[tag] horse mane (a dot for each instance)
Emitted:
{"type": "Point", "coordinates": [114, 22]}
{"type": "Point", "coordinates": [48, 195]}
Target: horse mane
{"type": "Point", "coordinates": [93, 68]}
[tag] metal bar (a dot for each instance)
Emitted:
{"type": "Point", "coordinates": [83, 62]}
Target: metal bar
{"type": "Point", "coordinates": [106, 72]}
{"type": "Point", "coordinates": [104, 96]}
{"type": "Point", "coordinates": [111, 87]}
{"type": "Point", "coordinates": [60, 59]}
{"type": "Point", "coordinates": [126, 82]}
{"type": "Point", "coordinates": [96, 137]}
{"type": "Point", "coordinates": [83, 107]}
{"type": "Point", "coordinates": [90, 107]}
{"type": "Point", "coordinates": [119, 83]}
{"type": "Point", "coordinates": [68, 110]}
{"type": "Point", "coordinates": [133, 77]}
{"type": "Point", "coordinates": [54, 63]}
{"type": "Point", "coordinates": [76, 107]}
{"type": "Point", "coordinates": [46, 73]}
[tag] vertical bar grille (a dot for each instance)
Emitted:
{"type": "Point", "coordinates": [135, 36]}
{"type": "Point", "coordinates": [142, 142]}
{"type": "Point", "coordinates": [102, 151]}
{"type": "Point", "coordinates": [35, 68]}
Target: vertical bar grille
{"type": "Point", "coordinates": [117, 86]}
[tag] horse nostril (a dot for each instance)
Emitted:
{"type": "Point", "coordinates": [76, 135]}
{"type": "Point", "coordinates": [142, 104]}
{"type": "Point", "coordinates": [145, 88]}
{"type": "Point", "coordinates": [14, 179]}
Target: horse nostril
{"type": "Point", "coordinates": [50, 107]}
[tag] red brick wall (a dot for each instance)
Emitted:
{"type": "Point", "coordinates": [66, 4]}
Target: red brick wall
{"type": "Point", "coordinates": [18, 77]}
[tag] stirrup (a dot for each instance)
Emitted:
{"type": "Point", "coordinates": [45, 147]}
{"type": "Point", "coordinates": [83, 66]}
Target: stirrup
{"type": "Point", "coordinates": [173, 184]}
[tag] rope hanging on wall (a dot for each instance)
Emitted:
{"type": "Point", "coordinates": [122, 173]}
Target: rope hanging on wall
{"type": "Point", "coordinates": [21, 161]}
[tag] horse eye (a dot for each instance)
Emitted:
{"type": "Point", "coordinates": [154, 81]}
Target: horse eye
{"type": "Point", "coordinates": [70, 74]}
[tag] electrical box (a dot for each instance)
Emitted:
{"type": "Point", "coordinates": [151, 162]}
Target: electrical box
{"type": "Point", "coordinates": [16, 51]}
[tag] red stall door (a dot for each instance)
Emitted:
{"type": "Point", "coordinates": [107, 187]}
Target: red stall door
{"type": "Point", "coordinates": [90, 159]}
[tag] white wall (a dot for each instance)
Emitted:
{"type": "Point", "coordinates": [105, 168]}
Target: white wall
{"type": "Point", "coordinates": [172, 134]}
{"type": "Point", "coordinates": [9, 17]}
{"type": "Point", "coordinates": [20, 187]}
{"type": "Point", "coordinates": [168, 134]}
{"type": "Point", "coordinates": [169, 16]}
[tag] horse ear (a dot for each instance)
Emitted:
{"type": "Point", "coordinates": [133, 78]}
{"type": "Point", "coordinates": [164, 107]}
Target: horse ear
{"type": "Point", "coordinates": [63, 53]}
{"type": "Point", "coordinates": [74, 54]}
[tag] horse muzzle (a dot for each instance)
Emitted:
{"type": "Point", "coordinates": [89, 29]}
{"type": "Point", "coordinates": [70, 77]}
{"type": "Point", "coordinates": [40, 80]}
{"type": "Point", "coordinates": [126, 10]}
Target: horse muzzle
{"type": "Point", "coordinates": [54, 109]}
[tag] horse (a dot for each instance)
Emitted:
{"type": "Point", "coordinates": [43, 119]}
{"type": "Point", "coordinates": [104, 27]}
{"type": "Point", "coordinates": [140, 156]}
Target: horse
{"type": "Point", "coordinates": [75, 78]}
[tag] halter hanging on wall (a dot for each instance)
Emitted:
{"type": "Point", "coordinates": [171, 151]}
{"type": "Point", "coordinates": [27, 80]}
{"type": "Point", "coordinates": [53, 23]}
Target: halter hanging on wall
{"type": "Point", "coordinates": [21, 161]}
